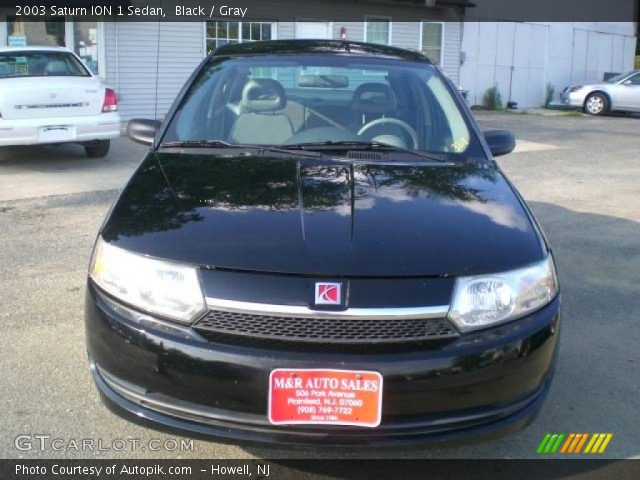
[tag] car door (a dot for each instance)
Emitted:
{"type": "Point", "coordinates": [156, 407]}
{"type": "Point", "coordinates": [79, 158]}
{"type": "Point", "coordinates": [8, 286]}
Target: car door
{"type": "Point", "coordinates": [629, 93]}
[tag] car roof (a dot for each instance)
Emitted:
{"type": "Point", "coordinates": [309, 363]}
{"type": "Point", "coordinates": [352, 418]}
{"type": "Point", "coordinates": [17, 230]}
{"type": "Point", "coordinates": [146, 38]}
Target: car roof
{"type": "Point", "coordinates": [336, 47]}
{"type": "Point", "coordinates": [35, 48]}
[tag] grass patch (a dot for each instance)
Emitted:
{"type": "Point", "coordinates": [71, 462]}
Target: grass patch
{"type": "Point", "coordinates": [572, 113]}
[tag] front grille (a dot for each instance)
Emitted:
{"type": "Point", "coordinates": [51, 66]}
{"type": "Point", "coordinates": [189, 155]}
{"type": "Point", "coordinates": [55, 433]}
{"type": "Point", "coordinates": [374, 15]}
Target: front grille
{"type": "Point", "coordinates": [276, 331]}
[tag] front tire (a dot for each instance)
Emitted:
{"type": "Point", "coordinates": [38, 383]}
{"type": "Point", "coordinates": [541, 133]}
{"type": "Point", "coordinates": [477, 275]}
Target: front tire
{"type": "Point", "coordinates": [97, 149]}
{"type": "Point", "coordinates": [596, 104]}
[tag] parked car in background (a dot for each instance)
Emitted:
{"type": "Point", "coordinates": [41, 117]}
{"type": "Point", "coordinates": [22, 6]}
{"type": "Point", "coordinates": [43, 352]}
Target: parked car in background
{"type": "Point", "coordinates": [619, 93]}
{"type": "Point", "coordinates": [320, 248]}
{"type": "Point", "coordinates": [47, 96]}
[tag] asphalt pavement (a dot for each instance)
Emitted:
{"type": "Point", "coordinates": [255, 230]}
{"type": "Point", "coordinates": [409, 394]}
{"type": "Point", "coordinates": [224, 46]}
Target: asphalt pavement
{"type": "Point", "coordinates": [580, 175]}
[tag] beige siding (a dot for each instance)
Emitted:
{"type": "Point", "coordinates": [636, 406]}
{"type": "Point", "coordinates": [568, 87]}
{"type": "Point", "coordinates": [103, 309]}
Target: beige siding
{"type": "Point", "coordinates": [451, 53]}
{"type": "Point", "coordinates": [147, 63]}
{"type": "Point", "coordinates": [406, 35]}
{"type": "Point", "coordinates": [286, 30]}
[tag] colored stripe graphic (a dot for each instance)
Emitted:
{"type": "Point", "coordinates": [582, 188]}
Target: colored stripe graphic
{"type": "Point", "coordinates": [544, 443]}
{"type": "Point", "coordinates": [568, 442]}
{"type": "Point", "coordinates": [598, 443]}
{"type": "Point", "coordinates": [555, 447]}
{"type": "Point", "coordinates": [606, 442]}
{"type": "Point", "coordinates": [594, 437]}
{"type": "Point", "coordinates": [573, 443]}
{"type": "Point", "coordinates": [582, 440]}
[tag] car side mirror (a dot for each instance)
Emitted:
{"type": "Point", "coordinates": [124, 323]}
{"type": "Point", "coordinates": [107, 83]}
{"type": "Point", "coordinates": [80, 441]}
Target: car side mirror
{"type": "Point", "coordinates": [501, 142]}
{"type": "Point", "coordinates": [142, 130]}
{"type": "Point", "coordinates": [627, 82]}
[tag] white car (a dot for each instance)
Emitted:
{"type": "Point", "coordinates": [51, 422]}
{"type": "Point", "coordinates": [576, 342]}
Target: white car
{"type": "Point", "coordinates": [47, 95]}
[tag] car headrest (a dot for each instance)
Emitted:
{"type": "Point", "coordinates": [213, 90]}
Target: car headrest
{"type": "Point", "coordinates": [56, 67]}
{"type": "Point", "coordinates": [374, 98]}
{"type": "Point", "coordinates": [263, 95]}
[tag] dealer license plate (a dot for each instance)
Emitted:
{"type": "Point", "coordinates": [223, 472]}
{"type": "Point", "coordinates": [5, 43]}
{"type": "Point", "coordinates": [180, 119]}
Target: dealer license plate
{"type": "Point", "coordinates": [325, 397]}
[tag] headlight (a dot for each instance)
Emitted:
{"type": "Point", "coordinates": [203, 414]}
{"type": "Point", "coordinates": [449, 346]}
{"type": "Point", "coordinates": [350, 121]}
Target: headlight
{"type": "Point", "coordinates": [168, 289]}
{"type": "Point", "coordinates": [486, 300]}
{"type": "Point", "coordinates": [576, 88]}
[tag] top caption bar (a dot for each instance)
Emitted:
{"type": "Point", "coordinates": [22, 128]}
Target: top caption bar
{"type": "Point", "coordinates": [327, 10]}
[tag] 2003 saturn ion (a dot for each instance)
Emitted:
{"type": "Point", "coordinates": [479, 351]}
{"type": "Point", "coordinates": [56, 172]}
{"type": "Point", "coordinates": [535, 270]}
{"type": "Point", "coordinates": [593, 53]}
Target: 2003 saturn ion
{"type": "Point", "coordinates": [320, 249]}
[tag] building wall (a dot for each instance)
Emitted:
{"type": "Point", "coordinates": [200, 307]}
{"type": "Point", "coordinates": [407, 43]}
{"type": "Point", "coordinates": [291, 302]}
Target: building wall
{"type": "Point", "coordinates": [521, 58]}
{"type": "Point", "coordinates": [147, 63]}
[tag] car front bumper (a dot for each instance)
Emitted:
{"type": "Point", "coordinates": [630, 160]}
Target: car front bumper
{"type": "Point", "coordinates": [483, 384]}
{"type": "Point", "coordinates": [80, 129]}
{"type": "Point", "coordinates": [573, 99]}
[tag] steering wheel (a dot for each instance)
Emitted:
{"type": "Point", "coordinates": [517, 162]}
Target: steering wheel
{"type": "Point", "coordinates": [393, 121]}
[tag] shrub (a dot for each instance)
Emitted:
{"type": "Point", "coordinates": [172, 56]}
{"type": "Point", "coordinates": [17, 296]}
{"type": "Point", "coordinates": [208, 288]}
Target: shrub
{"type": "Point", "coordinates": [492, 98]}
{"type": "Point", "coordinates": [548, 96]}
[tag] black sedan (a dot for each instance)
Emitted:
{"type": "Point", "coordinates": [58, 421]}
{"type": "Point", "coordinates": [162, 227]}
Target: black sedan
{"type": "Point", "coordinates": [319, 248]}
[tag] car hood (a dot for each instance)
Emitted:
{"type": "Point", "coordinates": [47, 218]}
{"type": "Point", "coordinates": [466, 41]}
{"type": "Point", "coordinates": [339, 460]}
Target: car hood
{"type": "Point", "coordinates": [324, 218]}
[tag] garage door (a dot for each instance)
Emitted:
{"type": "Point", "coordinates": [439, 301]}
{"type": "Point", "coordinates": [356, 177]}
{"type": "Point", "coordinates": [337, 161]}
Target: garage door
{"type": "Point", "coordinates": [527, 85]}
{"type": "Point", "coordinates": [321, 30]}
{"type": "Point", "coordinates": [510, 55]}
{"type": "Point", "coordinates": [596, 53]}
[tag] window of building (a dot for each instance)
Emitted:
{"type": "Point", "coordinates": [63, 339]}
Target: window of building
{"type": "Point", "coordinates": [377, 30]}
{"type": "Point", "coordinates": [431, 40]}
{"type": "Point", "coordinates": [85, 44]}
{"type": "Point", "coordinates": [223, 33]}
{"type": "Point", "coordinates": [21, 33]}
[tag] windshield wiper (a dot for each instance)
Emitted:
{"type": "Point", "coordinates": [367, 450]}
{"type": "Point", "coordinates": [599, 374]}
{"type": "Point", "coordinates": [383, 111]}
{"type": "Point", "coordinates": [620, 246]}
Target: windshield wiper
{"type": "Point", "coordinates": [361, 145]}
{"type": "Point", "coordinates": [223, 144]}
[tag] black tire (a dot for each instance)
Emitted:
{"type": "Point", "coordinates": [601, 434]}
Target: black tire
{"type": "Point", "coordinates": [596, 104]}
{"type": "Point", "coordinates": [97, 149]}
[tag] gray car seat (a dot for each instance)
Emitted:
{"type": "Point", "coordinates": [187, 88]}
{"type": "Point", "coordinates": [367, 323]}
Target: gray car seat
{"type": "Point", "coordinates": [259, 122]}
{"type": "Point", "coordinates": [56, 67]}
{"type": "Point", "coordinates": [372, 101]}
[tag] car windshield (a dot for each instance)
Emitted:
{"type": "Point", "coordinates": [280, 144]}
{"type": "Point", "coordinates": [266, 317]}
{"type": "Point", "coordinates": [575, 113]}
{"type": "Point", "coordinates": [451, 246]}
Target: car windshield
{"type": "Point", "coordinates": [34, 63]}
{"type": "Point", "coordinates": [323, 101]}
{"type": "Point", "coordinates": [619, 77]}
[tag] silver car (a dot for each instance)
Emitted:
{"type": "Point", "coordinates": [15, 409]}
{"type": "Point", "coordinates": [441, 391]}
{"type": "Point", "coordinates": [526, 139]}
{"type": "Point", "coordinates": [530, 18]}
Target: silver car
{"type": "Point", "coordinates": [619, 93]}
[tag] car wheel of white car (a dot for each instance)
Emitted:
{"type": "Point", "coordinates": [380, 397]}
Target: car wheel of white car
{"type": "Point", "coordinates": [596, 104]}
{"type": "Point", "coordinates": [97, 149]}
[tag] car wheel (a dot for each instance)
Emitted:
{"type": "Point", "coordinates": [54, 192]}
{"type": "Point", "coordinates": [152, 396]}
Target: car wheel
{"type": "Point", "coordinates": [97, 149]}
{"type": "Point", "coordinates": [596, 104]}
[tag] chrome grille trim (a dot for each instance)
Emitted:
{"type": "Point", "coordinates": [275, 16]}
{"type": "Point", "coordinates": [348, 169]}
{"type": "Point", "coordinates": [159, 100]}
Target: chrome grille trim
{"type": "Point", "coordinates": [51, 105]}
{"type": "Point", "coordinates": [299, 311]}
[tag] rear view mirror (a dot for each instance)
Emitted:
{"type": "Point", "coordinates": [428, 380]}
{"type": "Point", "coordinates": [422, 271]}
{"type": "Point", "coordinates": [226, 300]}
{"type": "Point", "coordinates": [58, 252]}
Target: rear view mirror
{"type": "Point", "coordinates": [323, 81]}
{"type": "Point", "coordinates": [501, 142]}
{"type": "Point", "coordinates": [142, 130]}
